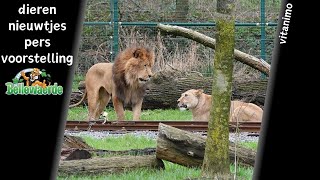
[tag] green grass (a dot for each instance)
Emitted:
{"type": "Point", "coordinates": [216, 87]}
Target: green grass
{"type": "Point", "coordinates": [243, 173]}
{"type": "Point", "coordinates": [125, 142]}
{"type": "Point", "coordinates": [77, 113]}
{"type": "Point", "coordinates": [251, 145]}
{"type": "Point", "coordinates": [128, 141]}
{"type": "Point", "coordinates": [81, 113]}
{"type": "Point", "coordinates": [172, 171]}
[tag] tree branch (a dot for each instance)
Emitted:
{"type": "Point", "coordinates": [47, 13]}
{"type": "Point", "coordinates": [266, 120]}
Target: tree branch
{"type": "Point", "coordinates": [258, 64]}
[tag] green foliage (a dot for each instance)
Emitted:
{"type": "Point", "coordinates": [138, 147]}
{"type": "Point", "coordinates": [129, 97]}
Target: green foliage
{"type": "Point", "coordinates": [15, 80]}
{"type": "Point", "coordinates": [44, 74]}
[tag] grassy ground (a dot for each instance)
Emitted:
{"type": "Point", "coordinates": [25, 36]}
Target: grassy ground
{"type": "Point", "coordinates": [81, 113]}
{"type": "Point", "coordinates": [171, 172]}
{"type": "Point", "coordinates": [125, 142]}
{"type": "Point", "coordinates": [251, 145]}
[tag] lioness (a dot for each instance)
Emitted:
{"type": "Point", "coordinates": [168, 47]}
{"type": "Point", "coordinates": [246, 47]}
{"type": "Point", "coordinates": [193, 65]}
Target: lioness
{"type": "Point", "coordinates": [200, 103]}
{"type": "Point", "coordinates": [124, 80]}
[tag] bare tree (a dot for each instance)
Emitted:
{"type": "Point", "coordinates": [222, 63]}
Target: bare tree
{"type": "Point", "coordinates": [216, 160]}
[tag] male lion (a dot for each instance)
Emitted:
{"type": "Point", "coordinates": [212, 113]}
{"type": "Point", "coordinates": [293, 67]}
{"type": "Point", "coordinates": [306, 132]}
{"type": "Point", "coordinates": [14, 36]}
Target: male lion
{"type": "Point", "coordinates": [200, 103]}
{"type": "Point", "coordinates": [124, 80]}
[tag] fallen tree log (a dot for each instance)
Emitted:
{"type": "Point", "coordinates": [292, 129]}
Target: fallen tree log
{"type": "Point", "coordinates": [166, 87]}
{"type": "Point", "coordinates": [187, 149]}
{"type": "Point", "coordinates": [73, 153]}
{"type": "Point", "coordinates": [74, 142]}
{"type": "Point", "coordinates": [131, 152]}
{"type": "Point", "coordinates": [109, 165]}
{"type": "Point", "coordinates": [247, 59]}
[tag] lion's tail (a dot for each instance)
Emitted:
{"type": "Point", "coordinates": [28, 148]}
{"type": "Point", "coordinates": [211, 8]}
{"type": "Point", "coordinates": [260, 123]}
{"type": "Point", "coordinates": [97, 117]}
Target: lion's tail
{"type": "Point", "coordinates": [78, 103]}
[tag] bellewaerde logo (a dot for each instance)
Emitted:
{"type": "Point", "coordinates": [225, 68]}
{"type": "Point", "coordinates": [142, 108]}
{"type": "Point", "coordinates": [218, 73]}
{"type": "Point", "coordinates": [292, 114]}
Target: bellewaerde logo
{"type": "Point", "coordinates": [32, 81]}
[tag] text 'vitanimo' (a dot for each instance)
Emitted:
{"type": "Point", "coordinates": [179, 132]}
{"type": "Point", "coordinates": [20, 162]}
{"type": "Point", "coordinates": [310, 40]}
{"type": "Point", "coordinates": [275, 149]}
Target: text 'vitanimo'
{"type": "Point", "coordinates": [285, 24]}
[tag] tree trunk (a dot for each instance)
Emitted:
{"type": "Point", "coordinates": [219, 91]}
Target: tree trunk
{"type": "Point", "coordinates": [166, 88]}
{"type": "Point", "coordinates": [216, 156]}
{"type": "Point", "coordinates": [247, 59]}
{"type": "Point", "coordinates": [109, 165]}
{"type": "Point", "coordinates": [187, 149]}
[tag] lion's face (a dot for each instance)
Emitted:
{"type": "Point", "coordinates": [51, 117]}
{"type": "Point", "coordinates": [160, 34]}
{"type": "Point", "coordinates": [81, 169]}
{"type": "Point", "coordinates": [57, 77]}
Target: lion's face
{"type": "Point", "coordinates": [144, 73]}
{"type": "Point", "coordinates": [189, 99]}
{"type": "Point", "coordinates": [139, 67]}
{"type": "Point", "coordinates": [35, 74]}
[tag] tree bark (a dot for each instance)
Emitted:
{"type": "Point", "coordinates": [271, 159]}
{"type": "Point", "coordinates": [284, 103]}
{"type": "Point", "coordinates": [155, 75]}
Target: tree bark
{"type": "Point", "coordinates": [75, 153]}
{"type": "Point", "coordinates": [256, 63]}
{"type": "Point", "coordinates": [74, 142]}
{"type": "Point", "coordinates": [109, 165]}
{"type": "Point", "coordinates": [166, 88]}
{"type": "Point", "coordinates": [216, 156]}
{"type": "Point", "coordinates": [131, 152]}
{"type": "Point", "coordinates": [187, 149]}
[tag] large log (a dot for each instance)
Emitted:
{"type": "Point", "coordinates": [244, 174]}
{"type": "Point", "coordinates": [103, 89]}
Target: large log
{"type": "Point", "coordinates": [166, 87]}
{"type": "Point", "coordinates": [74, 153]}
{"type": "Point", "coordinates": [109, 165]}
{"type": "Point", "coordinates": [74, 142]}
{"type": "Point", "coordinates": [131, 152]}
{"type": "Point", "coordinates": [187, 149]}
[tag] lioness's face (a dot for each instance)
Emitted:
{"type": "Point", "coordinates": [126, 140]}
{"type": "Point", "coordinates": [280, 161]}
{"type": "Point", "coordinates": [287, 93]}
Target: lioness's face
{"type": "Point", "coordinates": [189, 99]}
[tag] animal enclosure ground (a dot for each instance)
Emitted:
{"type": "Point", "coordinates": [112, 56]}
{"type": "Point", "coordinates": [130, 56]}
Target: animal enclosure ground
{"type": "Point", "coordinates": [172, 171]}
